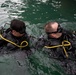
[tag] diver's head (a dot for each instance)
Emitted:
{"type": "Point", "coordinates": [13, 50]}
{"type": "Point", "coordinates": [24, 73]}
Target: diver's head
{"type": "Point", "coordinates": [53, 29]}
{"type": "Point", "coordinates": [17, 27]}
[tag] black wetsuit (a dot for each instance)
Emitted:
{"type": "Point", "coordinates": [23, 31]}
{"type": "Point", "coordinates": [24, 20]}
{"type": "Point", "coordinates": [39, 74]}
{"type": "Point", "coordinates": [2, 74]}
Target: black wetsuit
{"type": "Point", "coordinates": [6, 46]}
{"type": "Point", "coordinates": [69, 64]}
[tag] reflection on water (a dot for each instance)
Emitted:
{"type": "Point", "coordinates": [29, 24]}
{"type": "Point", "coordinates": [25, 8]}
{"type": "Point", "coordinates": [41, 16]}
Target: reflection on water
{"type": "Point", "coordinates": [40, 11]}
{"type": "Point", "coordinates": [13, 8]}
{"type": "Point", "coordinates": [3, 16]}
{"type": "Point", "coordinates": [35, 13]}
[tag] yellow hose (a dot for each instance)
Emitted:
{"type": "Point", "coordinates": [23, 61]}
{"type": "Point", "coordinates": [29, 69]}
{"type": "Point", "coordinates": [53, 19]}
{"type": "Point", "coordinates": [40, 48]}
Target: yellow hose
{"type": "Point", "coordinates": [20, 46]}
{"type": "Point", "coordinates": [63, 46]}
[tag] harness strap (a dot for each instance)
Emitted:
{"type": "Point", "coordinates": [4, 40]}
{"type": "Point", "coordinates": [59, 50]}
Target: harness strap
{"type": "Point", "coordinates": [20, 46]}
{"type": "Point", "coordinates": [63, 46]}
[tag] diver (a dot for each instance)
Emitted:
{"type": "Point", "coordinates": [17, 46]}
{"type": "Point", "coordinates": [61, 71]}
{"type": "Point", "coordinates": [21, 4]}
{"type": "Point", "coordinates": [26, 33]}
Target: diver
{"type": "Point", "coordinates": [15, 37]}
{"type": "Point", "coordinates": [60, 44]}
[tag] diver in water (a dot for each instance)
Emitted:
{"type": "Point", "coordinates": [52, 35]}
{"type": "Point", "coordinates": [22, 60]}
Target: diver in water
{"type": "Point", "coordinates": [60, 44]}
{"type": "Point", "coordinates": [15, 37]}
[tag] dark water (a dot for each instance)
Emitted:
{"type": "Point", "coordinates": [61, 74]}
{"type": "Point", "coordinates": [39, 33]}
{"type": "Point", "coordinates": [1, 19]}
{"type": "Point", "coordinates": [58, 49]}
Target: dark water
{"type": "Point", "coordinates": [35, 13]}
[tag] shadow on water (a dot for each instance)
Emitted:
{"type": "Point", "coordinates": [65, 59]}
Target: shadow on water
{"type": "Point", "coordinates": [35, 13]}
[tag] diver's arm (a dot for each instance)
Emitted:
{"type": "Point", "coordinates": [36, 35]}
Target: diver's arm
{"type": "Point", "coordinates": [72, 40]}
{"type": "Point", "coordinates": [28, 48]}
{"type": "Point", "coordinates": [40, 43]}
{"type": "Point", "coordinates": [2, 42]}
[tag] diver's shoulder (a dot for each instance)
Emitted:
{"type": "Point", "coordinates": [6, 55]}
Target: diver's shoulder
{"type": "Point", "coordinates": [69, 33]}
